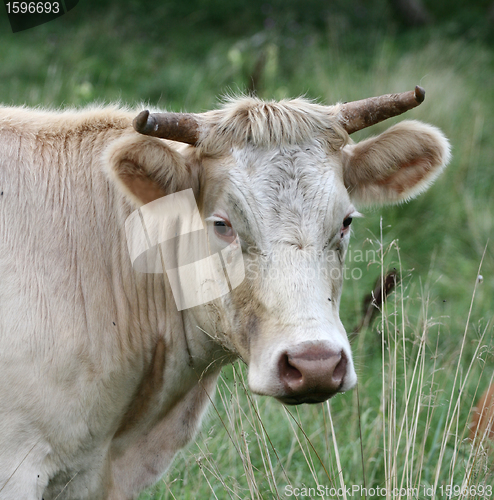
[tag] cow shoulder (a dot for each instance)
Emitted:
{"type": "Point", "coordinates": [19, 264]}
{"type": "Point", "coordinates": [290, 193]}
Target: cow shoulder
{"type": "Point", "coordinates": [396, 165]}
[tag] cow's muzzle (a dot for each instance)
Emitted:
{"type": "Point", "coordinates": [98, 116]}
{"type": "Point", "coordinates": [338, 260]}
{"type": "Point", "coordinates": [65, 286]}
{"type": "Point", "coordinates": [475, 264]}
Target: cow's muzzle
{"type": "Point", "coordinates": [312, 373]}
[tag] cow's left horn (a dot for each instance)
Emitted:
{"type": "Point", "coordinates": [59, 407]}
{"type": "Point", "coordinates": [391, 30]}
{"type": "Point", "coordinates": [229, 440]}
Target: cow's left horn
{"type": "Point", "coordinates": [181, 127]}
{"type": "Point", "coordinates": [357, 115]}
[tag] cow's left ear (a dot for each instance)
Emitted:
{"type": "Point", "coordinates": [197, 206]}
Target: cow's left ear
{"type": "Point", "coordinates": [396, 165]}
{"type": "Point", "coordinates": [146, 168]}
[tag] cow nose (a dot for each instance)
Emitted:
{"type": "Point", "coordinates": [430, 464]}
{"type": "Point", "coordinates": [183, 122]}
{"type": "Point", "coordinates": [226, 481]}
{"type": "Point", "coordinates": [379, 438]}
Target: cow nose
{"type": "Point", "coordinates": [311, 375]}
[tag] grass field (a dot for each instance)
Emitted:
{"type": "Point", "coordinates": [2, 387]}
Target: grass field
{"type": "Point", "coordinates": [425, 360]}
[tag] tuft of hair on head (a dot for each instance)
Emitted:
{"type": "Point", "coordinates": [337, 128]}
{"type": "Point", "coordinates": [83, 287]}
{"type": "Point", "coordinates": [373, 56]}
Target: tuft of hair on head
{"type": "Point", "coordinates": [249, 120]}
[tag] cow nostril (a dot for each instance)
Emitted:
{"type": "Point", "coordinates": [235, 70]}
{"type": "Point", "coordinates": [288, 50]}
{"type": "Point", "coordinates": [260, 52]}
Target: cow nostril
{"type": "Point", "coordinates": [288, 372]}
{"type": "Point", "coordinates": [340, 370]}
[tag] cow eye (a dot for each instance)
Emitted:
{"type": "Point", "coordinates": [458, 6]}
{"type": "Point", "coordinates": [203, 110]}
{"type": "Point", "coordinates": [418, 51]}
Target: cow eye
{"type": "Point", "coordinates": [224, 230]}
{"type": "Point", "coordinates": [344, 227]}
{"type": "Point", "coordinates": [347, 222]}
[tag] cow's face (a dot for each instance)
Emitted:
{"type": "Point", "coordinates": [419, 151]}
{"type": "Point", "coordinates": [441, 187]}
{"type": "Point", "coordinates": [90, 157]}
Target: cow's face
{"type": "Point", "coordinates": [285, 195]}
{"type": "Point", "coordinates": [289, 210]}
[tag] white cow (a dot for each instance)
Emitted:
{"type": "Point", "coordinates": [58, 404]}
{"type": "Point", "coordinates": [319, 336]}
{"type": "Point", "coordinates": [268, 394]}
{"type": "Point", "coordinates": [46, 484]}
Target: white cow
{"type": "Point", "coordinates": [102, 377]}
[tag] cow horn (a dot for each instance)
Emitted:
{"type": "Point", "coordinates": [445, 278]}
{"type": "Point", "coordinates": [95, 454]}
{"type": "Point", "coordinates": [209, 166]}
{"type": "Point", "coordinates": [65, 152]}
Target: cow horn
{"type": "Point", "coordinates": [357, 115]}
{"type": "Point", "coordinates": [181, 127]}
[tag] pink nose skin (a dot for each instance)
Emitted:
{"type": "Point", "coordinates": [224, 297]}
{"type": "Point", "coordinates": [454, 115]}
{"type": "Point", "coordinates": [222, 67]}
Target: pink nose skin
{"type": "Point", "coordinates": [312, 374]}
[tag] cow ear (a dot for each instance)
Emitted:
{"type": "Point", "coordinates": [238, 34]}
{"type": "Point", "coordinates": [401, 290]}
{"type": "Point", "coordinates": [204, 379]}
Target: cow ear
{"type": "Point", "coordinates": [397, 165]}
{"type": "Point", "coordinates": [145, 168]}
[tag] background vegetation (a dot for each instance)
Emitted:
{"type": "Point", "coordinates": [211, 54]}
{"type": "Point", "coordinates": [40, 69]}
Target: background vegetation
{"type": "Point", "coordinates": [424, 363]}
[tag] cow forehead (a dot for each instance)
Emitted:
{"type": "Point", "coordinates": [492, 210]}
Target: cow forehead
{"type": "Point", "coordinates": [284, 176]}
{"type": "Point", "coordinates": [293, 190]}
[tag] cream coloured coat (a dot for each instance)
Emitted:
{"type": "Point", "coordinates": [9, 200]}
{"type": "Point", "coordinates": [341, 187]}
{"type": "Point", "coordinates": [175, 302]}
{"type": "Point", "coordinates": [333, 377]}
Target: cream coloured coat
{"type": "Point", "coordinates": [102, 378]}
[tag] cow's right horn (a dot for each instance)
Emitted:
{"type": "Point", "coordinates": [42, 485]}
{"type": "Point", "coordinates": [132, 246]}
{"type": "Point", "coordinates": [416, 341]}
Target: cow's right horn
{"type": "Point", "coordinates": [357, 115]}
{"type": "Point", "coordinates": [181, 127]}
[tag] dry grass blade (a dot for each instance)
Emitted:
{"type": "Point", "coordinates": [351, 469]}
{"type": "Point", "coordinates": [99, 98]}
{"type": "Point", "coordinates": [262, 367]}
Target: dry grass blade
{"type": "Point", "coordinates": [308, 441]}
{"type": "Point", "coordinates": [337, 454]}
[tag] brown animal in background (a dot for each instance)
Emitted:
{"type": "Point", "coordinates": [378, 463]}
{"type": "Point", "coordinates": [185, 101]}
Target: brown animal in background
{"type": "Point", "coordinates": [373, 300]}
{"type": "Point", "coordinates": [483, 416]}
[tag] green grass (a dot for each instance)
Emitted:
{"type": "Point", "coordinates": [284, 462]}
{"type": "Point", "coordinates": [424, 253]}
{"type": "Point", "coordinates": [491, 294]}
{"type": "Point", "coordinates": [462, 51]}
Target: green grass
{"type": "Point", "coordinates": [406, 423]}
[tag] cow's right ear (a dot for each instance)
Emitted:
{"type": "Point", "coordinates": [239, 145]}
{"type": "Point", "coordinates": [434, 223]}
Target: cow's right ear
{"type": "Point", "coordinates": [145, 168]}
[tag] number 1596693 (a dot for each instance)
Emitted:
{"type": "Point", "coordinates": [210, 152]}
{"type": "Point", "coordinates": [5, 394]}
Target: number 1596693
{"type": "Point", "coordinates": [33, 7]}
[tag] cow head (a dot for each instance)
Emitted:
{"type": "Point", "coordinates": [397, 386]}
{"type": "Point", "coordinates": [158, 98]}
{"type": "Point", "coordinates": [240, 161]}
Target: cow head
{"type": "Point", "coordinates": [283, 182]}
